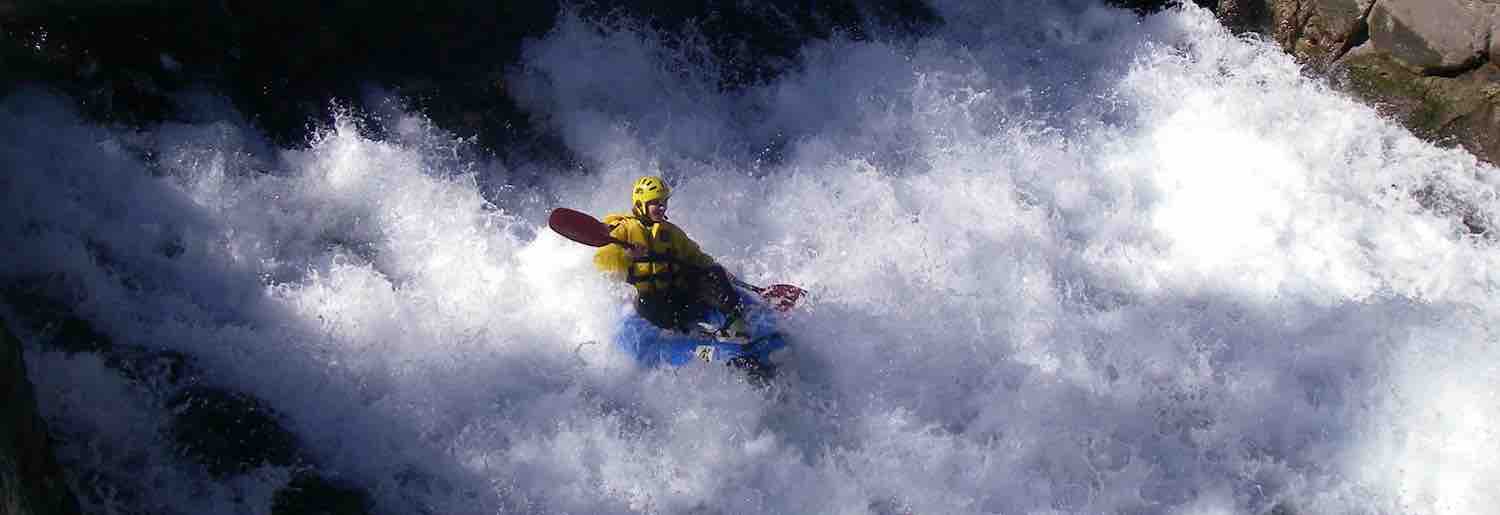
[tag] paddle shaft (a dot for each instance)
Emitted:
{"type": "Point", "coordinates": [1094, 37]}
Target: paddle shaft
{"type": "Point", "coordinates": [748, 286]}
{"type": "Point", "coordinates": [584, 228]}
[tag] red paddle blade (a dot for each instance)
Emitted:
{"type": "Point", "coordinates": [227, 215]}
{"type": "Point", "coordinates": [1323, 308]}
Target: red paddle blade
{"type": "Point", "coordinates": [782, 297]}
{"type": "Point", "coordinates": [579, 227]}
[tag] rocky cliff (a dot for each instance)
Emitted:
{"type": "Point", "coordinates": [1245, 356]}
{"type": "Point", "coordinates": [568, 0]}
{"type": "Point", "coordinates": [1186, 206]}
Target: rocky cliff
{"type": "Point", "coordinates": [1427, 63]}
{"type": "Point", "coordinates": [30, 480]}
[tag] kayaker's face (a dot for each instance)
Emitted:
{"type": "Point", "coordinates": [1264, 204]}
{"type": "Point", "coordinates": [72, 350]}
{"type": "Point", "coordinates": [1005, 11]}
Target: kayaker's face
{"type": "Point", "coordinates": [657, 210]}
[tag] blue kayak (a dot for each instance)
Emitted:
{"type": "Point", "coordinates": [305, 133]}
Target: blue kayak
{"type": "Point", "coordinates": [653, 346]}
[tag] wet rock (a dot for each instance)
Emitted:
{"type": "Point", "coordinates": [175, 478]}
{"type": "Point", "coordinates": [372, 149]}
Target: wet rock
{"type": "Point", "coordinates": [756, 41]}
{"type": "Point", "coordinates": [74, 334]}
{"type": "Point", "coordinates": [47, 314]}
{"type": "Point", "coordinates": [1318, 32]}
{"type": "Point", "coordinates": [1244, 15]}
{"type": "Point", "coordinates": [34, 302]}
{"type": "Point", "coordinates": [60, 329]}
{"type": "Point", "coordinates": [289, 66]}
{"type": "Point", "coordinates": [286, 65]}
{"type": "Point", "coordinates": [1427, 64]}
{"type": "Point", "coordinates": [1451, 111]}
{"type": "Point", "coordinates": [1435, 37]}
{"type": "Point", "coordinates": [309, 493]}
{"type": "Point", "coordinates": [31, 482]}
{"type": "Point", "coordinates": [53, 319]}
{"type": "Point", "coordinates": [230, 432]}
{"type": "Point", "coordinates": [165, 368]}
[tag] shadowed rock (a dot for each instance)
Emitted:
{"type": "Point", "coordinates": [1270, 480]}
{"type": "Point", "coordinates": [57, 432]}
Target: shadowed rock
{"type": "Point", "coordinates": [31, 482]}
{"type": "Point", "coordinates": [230, 432]}
{"type": "Point", "coordinates": [74, 334]}
{"type": "Point", "coordinates": [1244, 15]}
{"type": "Point", "coordinates": [289, 66]}
{"type": "Point", "coordinates": [311, 494]}
{"type": "Point", "coordinates": [225, 431]}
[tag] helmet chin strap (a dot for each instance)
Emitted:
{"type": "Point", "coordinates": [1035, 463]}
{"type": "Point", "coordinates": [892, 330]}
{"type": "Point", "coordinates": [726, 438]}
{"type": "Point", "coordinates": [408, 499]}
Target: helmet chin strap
{"type": "Point", "coordinates": [641, 211]}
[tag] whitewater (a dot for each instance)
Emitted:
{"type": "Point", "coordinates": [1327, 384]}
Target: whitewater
{"type": "Point", "coordinates": [1061, 260]}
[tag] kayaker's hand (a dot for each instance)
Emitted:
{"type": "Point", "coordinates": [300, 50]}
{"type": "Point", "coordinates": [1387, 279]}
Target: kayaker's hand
{"type": "Point", "coordinates": [637, 251]}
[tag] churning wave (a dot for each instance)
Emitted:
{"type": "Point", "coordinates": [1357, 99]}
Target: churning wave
{"type": "Point", "coordinates": [1063, 260]}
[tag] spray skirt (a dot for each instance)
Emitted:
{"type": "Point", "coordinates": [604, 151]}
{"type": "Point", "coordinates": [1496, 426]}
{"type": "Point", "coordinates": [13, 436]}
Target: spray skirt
{"type": "Point", "coordinates": [652, 346]}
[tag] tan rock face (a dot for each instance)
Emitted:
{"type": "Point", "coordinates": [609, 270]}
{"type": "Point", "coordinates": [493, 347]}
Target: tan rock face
{"type": "Point", "coordinates": [1430, 64]}
{"type": "Point", "coordinates": [1494, 15]}
{"type": "Point", "coordinates": [1435, 37]}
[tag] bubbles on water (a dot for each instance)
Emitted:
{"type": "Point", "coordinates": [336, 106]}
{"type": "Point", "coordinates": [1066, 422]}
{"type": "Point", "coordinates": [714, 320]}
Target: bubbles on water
{"type": "Point", "coordinates": [1061, 260]}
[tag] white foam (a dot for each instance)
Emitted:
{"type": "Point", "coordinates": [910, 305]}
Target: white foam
{"type": "Point", "coordinates": [1062, 261]}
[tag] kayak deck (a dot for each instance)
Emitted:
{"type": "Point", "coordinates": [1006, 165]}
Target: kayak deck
{"type": "Point", "coordinates": [653, 346]}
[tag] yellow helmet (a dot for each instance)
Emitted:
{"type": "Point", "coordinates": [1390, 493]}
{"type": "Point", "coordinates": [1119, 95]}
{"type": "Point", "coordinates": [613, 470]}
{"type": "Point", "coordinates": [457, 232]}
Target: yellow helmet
{"type": "Point", "coordinates": [647, 189]}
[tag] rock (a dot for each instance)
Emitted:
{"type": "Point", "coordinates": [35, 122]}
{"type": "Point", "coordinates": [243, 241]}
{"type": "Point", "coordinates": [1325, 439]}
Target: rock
{"type": "Point", "coordinates": [1425, 63]}
{"type": "Point", "coordinates": [75, 334]}
{"type": "Point", "coordinates": [126, 61]}
{"type": "Point", "coordinates": [60, 328]}
{"type": "Point", "coordinates": [312, 494]}
{"type": "Point", "coordinates": [43, 311]}
{"type": "Point", "coordinates": [1244, 15]}
{"type": "Point", "coordinates": [33, 301]}
{"type": "Point", "coordinates": [166, 368]}
{"type": "Point", "coordinates": [31, 482]}
{"type": "Point", "coordinates": [1319, 31]}
{"type": "Point", "coordinates": [1436, 37]}
{"type": "Point", "coordinates": [1494, 50]}
{"type": "Point", "coordinates": [230, 432]}
{"type": "Point", "coordinates": [1460, 110]}
{"type": "Point", "coordinates": [1468, 111]}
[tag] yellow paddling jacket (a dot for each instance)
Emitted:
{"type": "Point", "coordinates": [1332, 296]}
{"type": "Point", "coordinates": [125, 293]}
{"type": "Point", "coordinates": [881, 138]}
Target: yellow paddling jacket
{"type": "Point", "coordinates": [670, 261]}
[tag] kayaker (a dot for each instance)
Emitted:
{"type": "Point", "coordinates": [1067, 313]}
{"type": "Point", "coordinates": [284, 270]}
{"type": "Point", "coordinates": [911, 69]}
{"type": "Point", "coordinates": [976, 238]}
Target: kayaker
{"type": "Point", "coordinates": [675, 282]}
